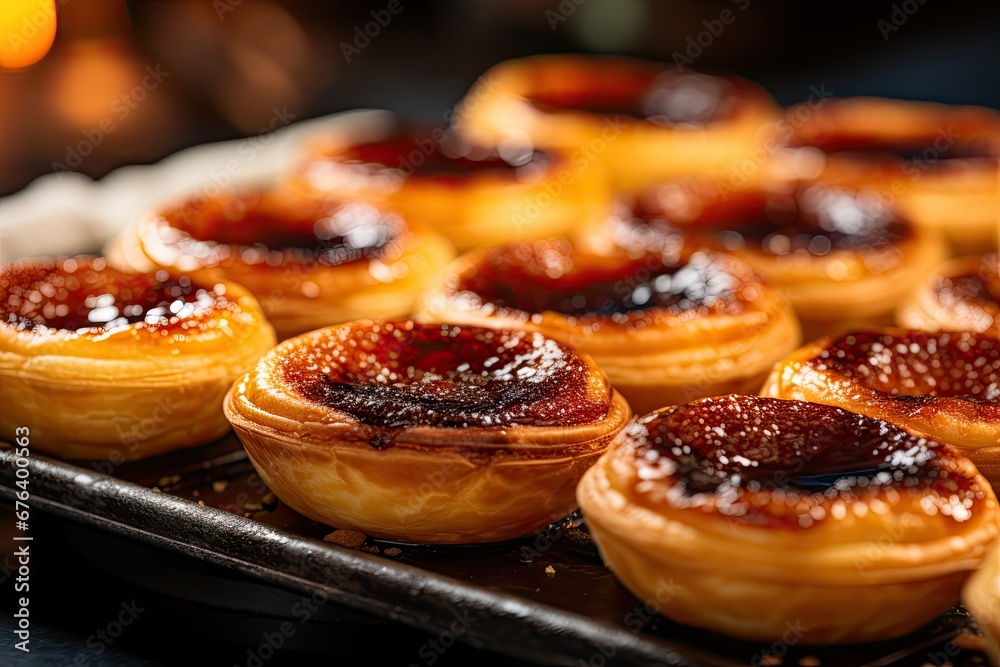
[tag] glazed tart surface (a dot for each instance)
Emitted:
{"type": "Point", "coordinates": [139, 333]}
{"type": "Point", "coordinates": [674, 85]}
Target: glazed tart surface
{"type": "Point", "coordinates": [800, 491]}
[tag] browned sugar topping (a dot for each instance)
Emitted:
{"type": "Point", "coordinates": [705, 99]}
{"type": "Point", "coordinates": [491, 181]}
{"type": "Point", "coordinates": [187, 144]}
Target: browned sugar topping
{"type": "Point", "coordinates": [550, 276]}
{"type": "Point", "coordinates": [775, 462]}
{"type": "Point", "coordinates": [919, 365]}
{"type": "Point", "coordinates": [401, 374]}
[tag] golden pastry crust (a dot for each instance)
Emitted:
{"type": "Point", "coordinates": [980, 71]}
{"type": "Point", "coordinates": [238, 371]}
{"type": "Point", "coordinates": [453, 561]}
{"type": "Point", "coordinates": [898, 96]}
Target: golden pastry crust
{"type": "Point", "coordinates": [664, 329]}
{"type": "Point", "coordinates": [937, 163]}
{"type": "Point", "coordinates": [309, 261]}
{"type": "Point", "coordinates": [945, 385]}
{"type": "Point", "coordinates": [844, 524]}
{"type": "Point", "coordinates": [427, 434]}
{"type": "Point", "coordinates": [962, 294]}
{"type": "Point", "coordinates": [471, 195]}
{"type": "Point", "coordinates": [981, 596]}
{"type": "Point", "coordinates": [102, 364]}
{"type": "Point", "coordinates": [842, 258]}
{"type": "Point", "coordinates": [646, 122]}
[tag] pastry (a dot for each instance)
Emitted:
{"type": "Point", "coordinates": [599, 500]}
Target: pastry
{"type": "Point", "coordinates": [100, 364]}
{"type": "Point", "coordinates": [961, 295]}
{"type": "Point", "coordinates": [665, 328]}
{"type": "Point", "coordinates": [768, 512]}
{"type": "Point", "coordinates": [936, 163]}
{"type": "Point", "coordinates": [981, 596]}
{"type": "Point", "coordinates": [945, 385]}
{"type": "Point", "coordinates": [474, 196]}
{"type": "Point", "coordinates": [309, 261]}
{"type": "Point", "coordinates": [842, 258]}
{"type": "Point", "coordinates": [646, 122]}
{"type": "Point", "coordinates": [426, 433]}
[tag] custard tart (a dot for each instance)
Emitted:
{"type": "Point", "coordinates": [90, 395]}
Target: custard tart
{"type": "Point", "coordinates": [937, 163]}
{"type": "Point", "coordinates": [310, 262]}
{"type": "Point", "coordinates": [981, 596]}
{"type": "Point", "coordinates": [841, 257]}
{"type": "Point", "coordinates": [645, 121]}
{"type": "Point", "coordinates": [769, 512]}
{"type": "Point", "coordinates": [101, 364]}
{"type": "Point", "coordinates": [945, 385]}
{"type": "Point", "coordinates": [961, 295]}
{"type": "Point", "coordinates": [665, 328]}
{"type": "Point", "coordinates": [475, 196]}
{"type": "Point", "coordinates": [426, 433]}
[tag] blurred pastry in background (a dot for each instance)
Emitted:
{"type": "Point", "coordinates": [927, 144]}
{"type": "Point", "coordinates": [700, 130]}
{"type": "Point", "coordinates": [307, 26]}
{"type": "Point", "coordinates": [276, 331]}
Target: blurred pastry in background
{"type": "Point", "coordinates": [937, 163]}
{"type": "Point", "coordinates": [310, 261]}
{"type": "Point", "coordinates": [963, 294]}
{"type": "Point", "coordinates": [842, 258]}
{"type": "Point", "coordinates": [645, 121]}
{"type": "Point", "coordinates": [472, 195]}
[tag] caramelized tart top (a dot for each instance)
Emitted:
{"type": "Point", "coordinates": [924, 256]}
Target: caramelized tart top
{"type": "Point", "coordinates": [394, 375]}
{"type": "Point", "coordinates": [790, 464]}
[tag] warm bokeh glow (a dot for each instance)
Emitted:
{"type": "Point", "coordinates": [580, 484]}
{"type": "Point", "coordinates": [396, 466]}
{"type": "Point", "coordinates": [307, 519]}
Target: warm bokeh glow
{"type": "Point", "coordinates": [27, 29]}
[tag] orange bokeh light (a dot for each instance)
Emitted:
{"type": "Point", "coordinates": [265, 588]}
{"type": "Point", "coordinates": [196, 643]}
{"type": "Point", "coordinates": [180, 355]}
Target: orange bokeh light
{"type": "Point", "coordinates": [27, 29]}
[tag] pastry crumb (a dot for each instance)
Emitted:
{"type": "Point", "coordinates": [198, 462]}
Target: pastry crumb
{"type": "Point", "coordinates": [220, 485]}
{"type": "Point", "coordinates": [351, 539]}
{"type": "Point", "coordinates": [156, 489]}
{"type": "Point", "coordinates": [270, 501]}
{"type": "Point", "coordinates": [252, 507]}
{"type": "Point", "coordinates": [809, 661]}
{"type": "Point", "coordinates": [201, 502]}
{"type": "Point", "coordinates": [770, 661]}
{"type": "Point", "coordinates": [549, 570]}
{"type": "Point", "coordinates": [370, 550]}
{"type": "Point", "coordinates": [969, 641]}
{"type": "Point", "coordinates": [392, 552]}
{"type": "Point", "coordinates": [167, 480]}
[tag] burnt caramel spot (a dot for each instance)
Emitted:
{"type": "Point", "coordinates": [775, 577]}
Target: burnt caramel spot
{"type": "Point", "coordinates": [397, 375]}
{"type": "Point", "coordinates": [813, 221]}
{"type": "Point", "coordinates": [671, 98]}
{"type": "Point", "coordinates": [550, 276]}
{"type": "Point", "coordinates": [85, 295]}
{"type": "Point", "coordinates": [262, 228]}
{"type": "Point", "coordinates": [775, 462]}
{"type": "Point", "coordinates": [919, 366]}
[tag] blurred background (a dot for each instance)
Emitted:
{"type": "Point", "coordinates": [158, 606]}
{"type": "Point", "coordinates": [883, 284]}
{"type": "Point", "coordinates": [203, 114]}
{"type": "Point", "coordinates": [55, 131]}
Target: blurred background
{"type": "Point", "coordinates": [129, 82]}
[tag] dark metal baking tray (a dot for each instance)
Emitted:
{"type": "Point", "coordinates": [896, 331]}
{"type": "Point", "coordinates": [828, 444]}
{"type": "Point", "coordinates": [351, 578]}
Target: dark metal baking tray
{"type": "Point", "coordinates": [547, 599]}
